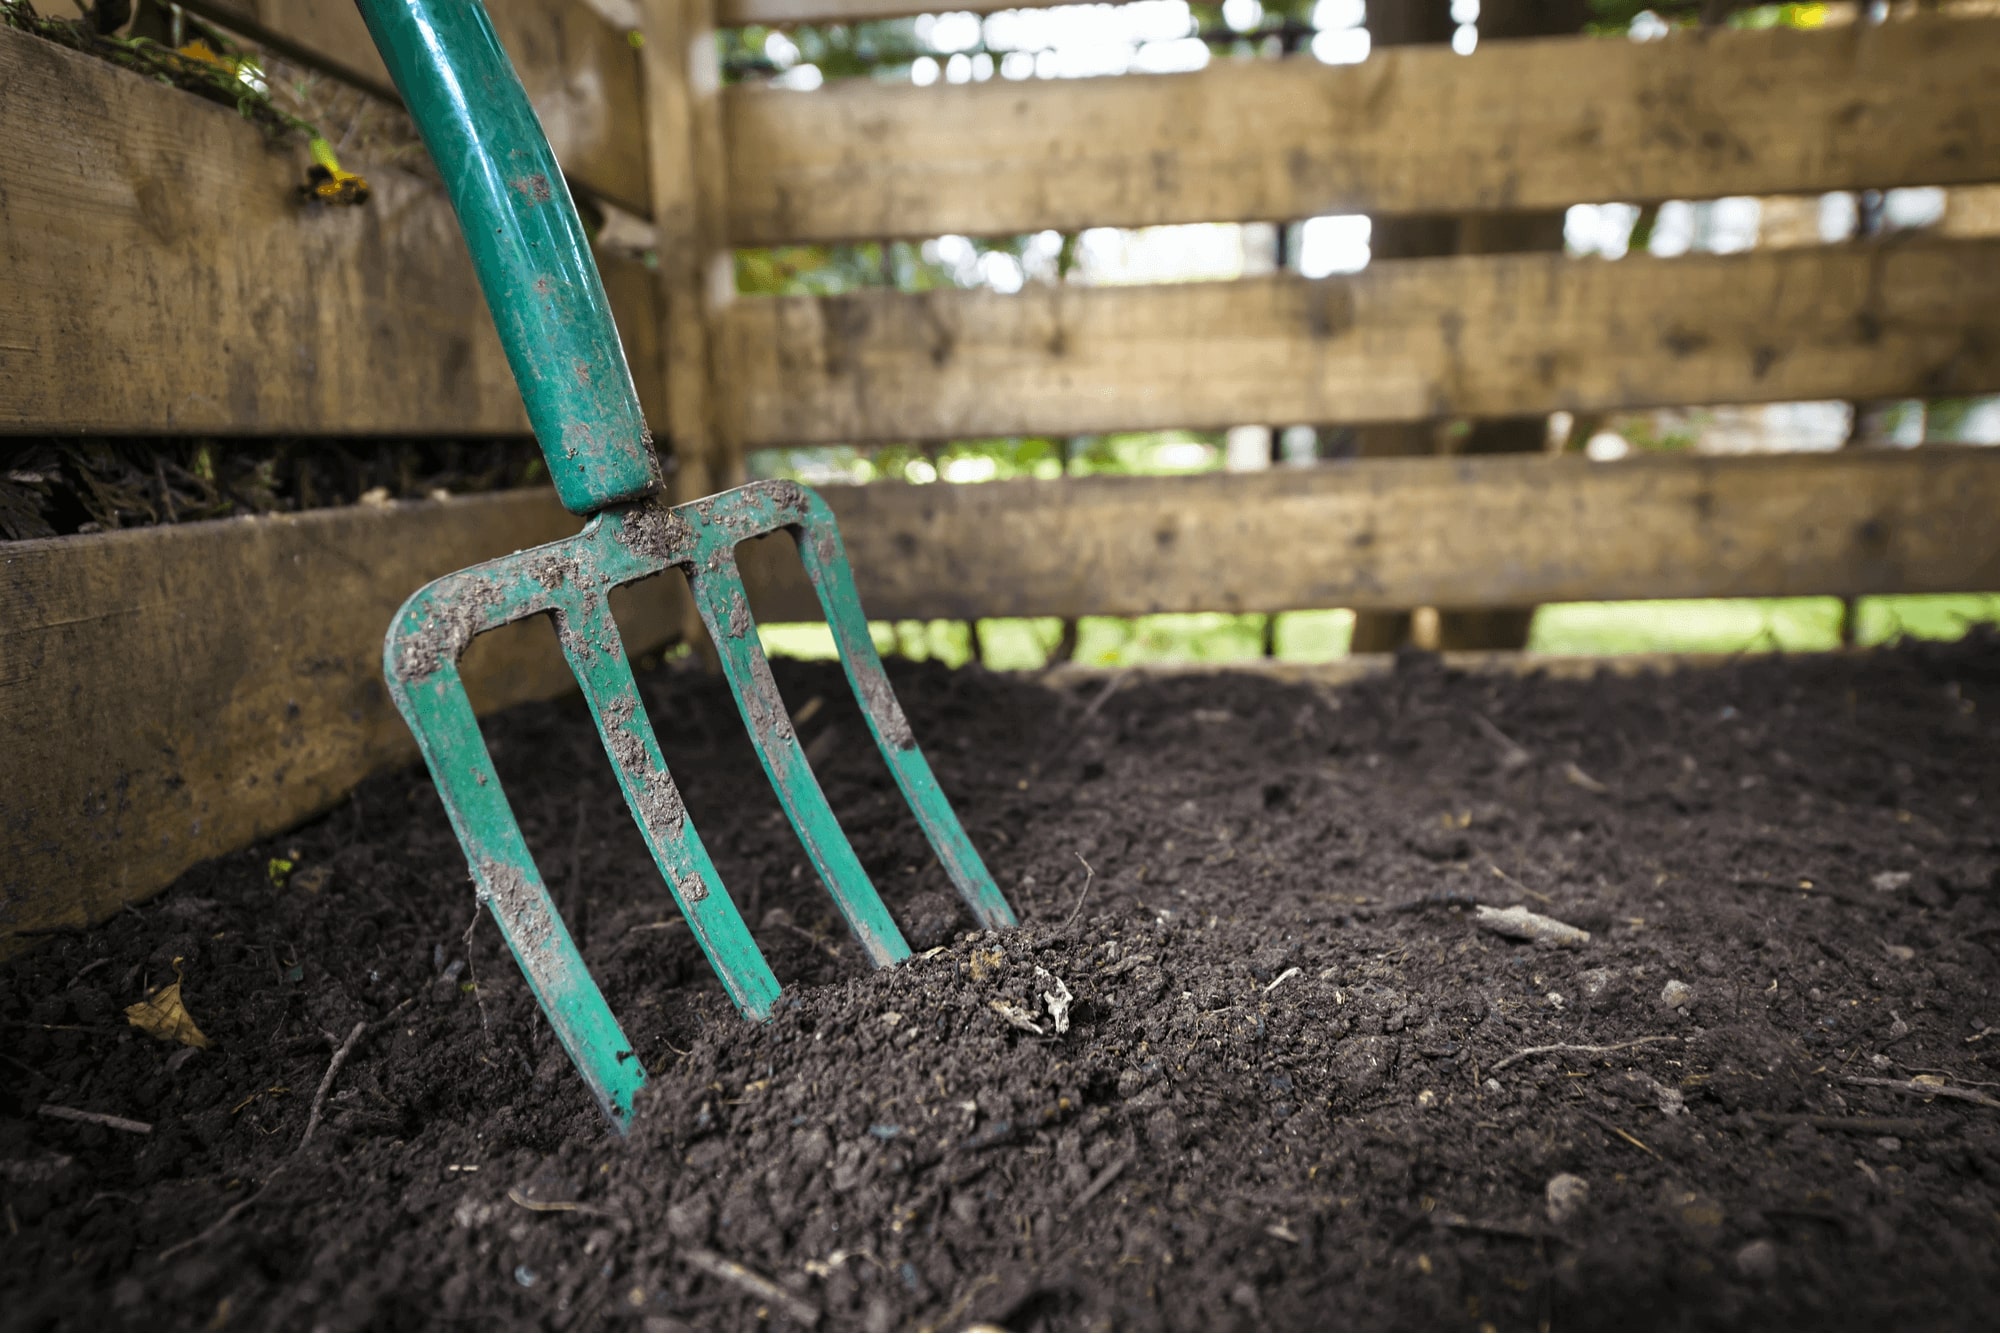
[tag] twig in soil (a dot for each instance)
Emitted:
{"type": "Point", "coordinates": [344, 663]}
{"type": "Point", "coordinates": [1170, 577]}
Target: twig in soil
{"type": "Point", "coordinates": [559, 1206]}
{"type": "Point", "coordinates": [1282, 978]}
{"type": "Point", "coordinates": [1090, 709]}
{"type": "Point", "coordinates": [950, 1318]}
{"type": "Point", "coordinates": [1460, 1223]}
{"type": "Point", "coordinates": [229, 1216]}
{"type": "Point", "coordinates": [1098, 1185]}
{"type": "Point", "coordinates": [1919, 1088]}
{"type": "Point", "coordinates": [763, 1289]}
{"type": "Point", "coordinates": [1517, 923]}
{"type": "Point", "coordinates": [1806, 885]}
{"type": "Point", "coordinates": [109, 1122]}
{"type": "Point", "coordinates": [340, 1056]}
{"type": "Point", "coordinates": [820, 942]}
{"type": "Point", "coordinates": [1553, 1047]}
{"type": "Point", "coordinates": [1088, 876]}
{"type": "Point", "coordinates": [471, 968]}
{"type": "Point", "coordinates": [1629, 1138]}
{"type": "Point", "coordinates": [1534, 894]}
{"type": "Point", "coordinates": [1513, 755]}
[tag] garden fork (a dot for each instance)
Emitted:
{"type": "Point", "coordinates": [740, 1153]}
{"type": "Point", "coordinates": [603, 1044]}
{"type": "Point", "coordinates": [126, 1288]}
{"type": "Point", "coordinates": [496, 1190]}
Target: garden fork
{"type": "Point", "coordinates": [534, 266]}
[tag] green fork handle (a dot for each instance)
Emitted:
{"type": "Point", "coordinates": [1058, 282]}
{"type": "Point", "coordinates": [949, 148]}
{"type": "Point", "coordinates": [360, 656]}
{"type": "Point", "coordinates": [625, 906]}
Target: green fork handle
{"type": "Point", "coordinates": [527, 244]}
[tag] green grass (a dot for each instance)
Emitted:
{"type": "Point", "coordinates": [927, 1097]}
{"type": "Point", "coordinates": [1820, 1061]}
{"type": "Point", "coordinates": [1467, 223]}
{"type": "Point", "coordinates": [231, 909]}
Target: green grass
{"type": "Point", "coordinates": [1723, 625]}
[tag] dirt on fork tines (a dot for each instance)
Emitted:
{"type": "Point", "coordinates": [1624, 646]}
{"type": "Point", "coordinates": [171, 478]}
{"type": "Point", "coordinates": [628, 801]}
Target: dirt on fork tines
{"type": "Point", "coordinates": [1255, 1059]}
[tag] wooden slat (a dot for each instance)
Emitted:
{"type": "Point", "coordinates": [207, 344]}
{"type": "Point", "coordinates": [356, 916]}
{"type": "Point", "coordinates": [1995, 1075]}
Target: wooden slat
{"type": "Point", "coordinates": [696, 269]}
{"type": "Point", "coordinates": [172, 693]}
{"type": "Point", "coordinates": [1470, 532]}
{"type": "Point", "coordinates": [774, 13]}
{"type": "Point", "coordinates": [1478, 336]}
{"type": "Point", "coordinates": [1517, 125]}
{"type": "Point", "coordinates": [158, 275]}
{"type": "Point", "coordinates": [580, 72]}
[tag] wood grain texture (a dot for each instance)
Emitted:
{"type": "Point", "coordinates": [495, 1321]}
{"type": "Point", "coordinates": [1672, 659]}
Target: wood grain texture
{"type": "Point", "coordinates": [1518, 125]}
{"type": "Point", "coordinates": [696, 269]}
{"type": "Point", "coordinates": [1468, 532]}
{"type": "Point", "coordinates": [580, 72]}
{"type": "Point", "coordinates": [159, 275]}
{"type": "Point", "coordinates": [1405, 340]}
{"type": "Point", "coordinates": [170, 694]}
{"type": "Point", "coordinates": [781, 13]}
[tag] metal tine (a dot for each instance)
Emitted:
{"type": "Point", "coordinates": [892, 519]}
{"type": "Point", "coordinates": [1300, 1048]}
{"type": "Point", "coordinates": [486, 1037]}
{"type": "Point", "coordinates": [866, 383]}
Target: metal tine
{"type": "Point", "coordinates": [422, 671]}
{"type": "Point", "coordinates": [596, 653]}
{"type": "Point", "coordinates": [825, 560]}
{"type": "Point", "coordinates": [719, 596]}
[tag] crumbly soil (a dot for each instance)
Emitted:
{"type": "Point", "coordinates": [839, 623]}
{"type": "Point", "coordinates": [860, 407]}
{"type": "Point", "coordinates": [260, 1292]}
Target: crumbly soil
{"type": "Point", "coordinates": [1293, 1090]}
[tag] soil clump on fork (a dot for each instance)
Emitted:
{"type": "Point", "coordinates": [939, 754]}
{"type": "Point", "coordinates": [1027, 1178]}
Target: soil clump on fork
{"type": "Point", "coordinates": [1270, 1070]}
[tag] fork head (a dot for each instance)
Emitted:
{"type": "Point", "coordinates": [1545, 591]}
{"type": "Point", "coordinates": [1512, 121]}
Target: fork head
{"type": "Point", "coordinates": [571, 581]}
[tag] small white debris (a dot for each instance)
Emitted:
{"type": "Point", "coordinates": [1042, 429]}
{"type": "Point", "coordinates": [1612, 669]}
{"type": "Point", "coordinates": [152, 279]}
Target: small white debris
{"type": "Point", "coordinates": [1758, 1259]}
{"type": "Point", "coordinates": [1018, 1017]}
{"type": "Point", "coordinates": [1668, 1099]}
{"type": "Point", "coordinates": [1281, 979]}
{"type": "Point", "coordinates": [891, 1018]}
{"type": "Point", "coordinates": [1900, 953]}
{"type": "Point", "coordinates": [1565, 1196]}
{"type": "Point", "coordinates": [1555, 1000]}
{"type": "Point", "coordinates": [1057, 1000]}
{"type": "Point", "coordinates": [1596, 981]}
{"type": "Point", "coordinates": [1491, 1085]}
{"type": "Point", "coordinates": [1427, 1099]}
{"type": "Point", "coordinates": [1517, 923]}
{"type": "Point", "coordinates": [1888, 882]}
{"type": "Point", "coordinates": [1676, 995]}
{"type": "Point", "coordinates": [1583, 780]}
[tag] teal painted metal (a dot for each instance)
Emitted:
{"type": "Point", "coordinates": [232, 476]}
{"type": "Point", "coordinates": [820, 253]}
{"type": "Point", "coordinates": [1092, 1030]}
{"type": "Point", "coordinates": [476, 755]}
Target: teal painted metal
{"type": "Point", "coordinates": [527, 245]}
{"type": "Point", "coordinates": [571, 581]}
{"type": "Point", "coordinates": [543, 288]}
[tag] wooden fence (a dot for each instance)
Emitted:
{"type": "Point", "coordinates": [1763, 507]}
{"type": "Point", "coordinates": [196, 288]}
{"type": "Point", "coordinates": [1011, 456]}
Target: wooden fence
{"type": "Point", "coordinates": [169, 694]}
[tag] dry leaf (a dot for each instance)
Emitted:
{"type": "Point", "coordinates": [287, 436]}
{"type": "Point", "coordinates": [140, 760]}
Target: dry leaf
{"type": "Point", "coordinates": [165, 1017]}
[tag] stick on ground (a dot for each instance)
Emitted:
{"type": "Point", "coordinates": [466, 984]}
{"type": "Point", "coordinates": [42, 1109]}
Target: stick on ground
{"type": "Point", "coordinates": [229, 1216]}
{"type": "Point", "coordinates": [1101, 1184]}
{"type": "Point", "coordinates": [1554, 1047]}
{"type": "Point", "coordinates": [326, 1084]}
{"type": "Point", "coordinates": [1088, 876]}
{"type": "Point", "coordinates": [96, 1119]}
{"type": "Point", "coordinates": [1922, 1090]}
{"type": "Point", "coordinates": [763, 1289]}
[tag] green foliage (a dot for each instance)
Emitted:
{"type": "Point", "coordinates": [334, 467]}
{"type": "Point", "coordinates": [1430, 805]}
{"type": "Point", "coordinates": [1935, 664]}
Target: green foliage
{"type": "Point", "coordinates": [1616, 16]}
{"type": "Point", "coordinates": [840, 50]}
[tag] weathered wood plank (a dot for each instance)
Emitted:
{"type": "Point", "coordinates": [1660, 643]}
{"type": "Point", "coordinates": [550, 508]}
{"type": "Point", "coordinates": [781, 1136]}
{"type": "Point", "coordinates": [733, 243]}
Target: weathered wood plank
{"type": "Point", "coordinates": [169, 694]}
{"type": "Point", "coordinates": [1483, 336]}
{"type": "Point", "coordinates": [1410, 130]}
{"type": "Point", "coordinates": [581, 74]}
{"type": "Point", "coordinates": [774, 13]}
{"type": "Point", "coordinates": [157, 274]}
{"type": "Point", "coordinates": [1470, 532]}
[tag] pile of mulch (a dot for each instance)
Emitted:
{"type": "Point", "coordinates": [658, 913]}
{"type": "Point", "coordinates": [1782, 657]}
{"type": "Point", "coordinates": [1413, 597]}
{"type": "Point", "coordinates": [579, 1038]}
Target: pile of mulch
{"type": "Point", "coordinates": [1300, 1084]}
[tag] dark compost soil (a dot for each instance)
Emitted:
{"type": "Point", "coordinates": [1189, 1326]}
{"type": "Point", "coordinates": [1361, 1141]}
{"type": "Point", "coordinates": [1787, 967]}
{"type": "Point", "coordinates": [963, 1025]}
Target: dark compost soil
{"type": "Point", "coordinates": [1292, 1092]}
